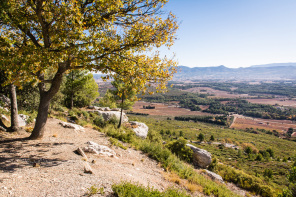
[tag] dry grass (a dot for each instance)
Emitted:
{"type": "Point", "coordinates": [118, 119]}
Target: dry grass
{"type": "Point", "coordinates": [172, 177]}
{"type": "Point", "coordinates": [193, 187]}
{"type": "Point", "coordinates": [254, 149]}
{"type": "Point", "coordinates": [280, 126]}
{"type": "Point", "coordinates": [29, 129]}
{"type": "Point", "coordinates": [164, 109]}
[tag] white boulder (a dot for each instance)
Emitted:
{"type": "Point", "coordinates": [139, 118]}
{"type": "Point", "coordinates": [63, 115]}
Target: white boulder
{"type": "Point", "coordinates": [3, 117]}
{"type": "Point", "coordinates": [107, 115]}
{"type": "Point", "coordinates": [140, 129]}
{"type": "Point", "coordinates": [99, 149]}
{"type": "Point", "coordinates": [201, 157]}
{"type": "Point", "coordinates": [76, 127]}
{"type": "Point", "coordinates": [22, 120]}
{"type": "Point", "coordinates": [214, 176]}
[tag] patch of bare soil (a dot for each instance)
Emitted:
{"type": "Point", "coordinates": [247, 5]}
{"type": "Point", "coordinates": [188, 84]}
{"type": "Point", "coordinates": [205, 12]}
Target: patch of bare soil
{"type": "Point", "coordinates": [279, 101]}
{"type": "Point", "coordinates": [215, 93]}
{"type": "Point", "coordinates": [61, 170]}
{"type": "Point", "coordinates": [165, 109]}
{"type": "Point", "coordinates": [243, 122]}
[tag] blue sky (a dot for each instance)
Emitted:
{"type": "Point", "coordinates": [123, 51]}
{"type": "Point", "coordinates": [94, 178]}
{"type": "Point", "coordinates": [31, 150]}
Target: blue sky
{"type": "Point", "coordinates": [234, 33]}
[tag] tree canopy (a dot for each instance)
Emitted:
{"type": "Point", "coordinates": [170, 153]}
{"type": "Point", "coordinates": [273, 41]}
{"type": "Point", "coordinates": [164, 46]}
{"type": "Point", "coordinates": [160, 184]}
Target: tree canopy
{"type": "Point", "coordinates": [92, 34]}
{"type": "Point", "coordinates": [42, 40]}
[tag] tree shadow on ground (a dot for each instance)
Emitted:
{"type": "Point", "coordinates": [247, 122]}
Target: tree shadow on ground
{"type": "Point", "coordinates": [16, 154]}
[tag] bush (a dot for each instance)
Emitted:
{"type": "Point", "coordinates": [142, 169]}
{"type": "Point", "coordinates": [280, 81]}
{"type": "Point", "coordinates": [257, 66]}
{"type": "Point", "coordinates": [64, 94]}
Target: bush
{"type": "Point", "coordinates": [268, 173]}
{"type": "Point", "coordinates": [259, 157]}
{"type": "Point", "coordinates": [115, 142]}
{"type": "Point", "coordinates": [126, 189]}
{"type": "Point", "coordinates": [201, 137]}
{"type": "Point", "coordinates": [113, 120]}
{"type": "Point", "coordinates": [99, 121]}
{"type": "Point", "coordinates": [120, 134]}
{"type": "Point", "coordinates": [153, 136]}
{"type": "Point", "coordinates": [179, 148]}
{"type": "Point", "coordinates": [245, 181]}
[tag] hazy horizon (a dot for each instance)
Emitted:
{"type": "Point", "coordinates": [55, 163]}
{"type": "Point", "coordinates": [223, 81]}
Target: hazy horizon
{"type": "Point", "coordinates": [233, 33]}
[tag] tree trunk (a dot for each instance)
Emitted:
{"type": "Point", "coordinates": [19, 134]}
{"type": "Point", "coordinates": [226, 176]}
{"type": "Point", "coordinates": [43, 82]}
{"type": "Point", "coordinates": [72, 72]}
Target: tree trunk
{"type": "Point", "coordinates": [72, 102]}
{"type": "Point", "coordinates": [13, 110]}
{"type": "Point", "coordinates": [72, 91]}
{"type": "Point", "coordinates": [41, 119]}
{"type": "Point", "coordinates": [45, 98]}
{"type": "Point", "coordinates": [120, 120]}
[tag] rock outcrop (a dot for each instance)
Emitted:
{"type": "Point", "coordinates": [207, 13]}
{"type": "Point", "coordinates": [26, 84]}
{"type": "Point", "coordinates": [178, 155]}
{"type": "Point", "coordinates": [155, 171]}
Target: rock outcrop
{"type": "Point", "coordinates": [140, 129]}
{"type": "Point", "coordinates": [214, 176]}
{"type": "Point", "coordinates": [99, 149]}
{"type": "Point", "coordinates": [201, 157]}
{"type": "Point", "coordinates": [22, 120]}
{"type": "Point", "coordinates": [76, 127]}
{"type": "Point", "coordinates": [5, 100]}
{"type": "Point", "coordinates": [107, 115]}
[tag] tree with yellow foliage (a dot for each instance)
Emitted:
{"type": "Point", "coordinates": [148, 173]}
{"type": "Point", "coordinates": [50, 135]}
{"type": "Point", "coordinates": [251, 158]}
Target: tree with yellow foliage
{"type": "Point", "coordinates": [42, 40]}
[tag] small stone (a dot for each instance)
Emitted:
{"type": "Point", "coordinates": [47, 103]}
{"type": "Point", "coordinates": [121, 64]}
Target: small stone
{"type": "Point", "coordinates": [87, 168]}
{"type": "Point", "coordinates": [93, 161]}
{"type": "Point", "coordinates": [35, 165]}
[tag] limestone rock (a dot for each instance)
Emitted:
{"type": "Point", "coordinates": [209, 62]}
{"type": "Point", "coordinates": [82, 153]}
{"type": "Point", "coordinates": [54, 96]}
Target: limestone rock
{"type": "Point", "coordinates": [99, 149]}
{"type": "Point", "coordinates": [107, 115]}
{"type": "Point", "coordinates": [87, 168]}
{"type": "Point", "coordinates": [5, 100]}
{"type": "Point", "coordinates": [214, 176]}
{"type": "Point", "coordinates": [140, 129]}
{"type": "Point", "coordinates": [201, 157]}
{"type": "Point", "coordinates": [22, 120]}
{"type": "Point", "coordinates": [72, 126]}
{"type": "Point", "coordinates": [3, 117]}
{"type": "Point", "coordinates": [115, 109]}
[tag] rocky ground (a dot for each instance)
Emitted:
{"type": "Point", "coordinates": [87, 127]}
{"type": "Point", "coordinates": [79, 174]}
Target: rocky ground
{"type": "Point", "coordinates": [50, 167]}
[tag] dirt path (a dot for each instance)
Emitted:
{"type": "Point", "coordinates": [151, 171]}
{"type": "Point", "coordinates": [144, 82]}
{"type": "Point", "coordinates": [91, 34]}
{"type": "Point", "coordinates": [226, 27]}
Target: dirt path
{"type": "Point", "coordinates": [61, 170]}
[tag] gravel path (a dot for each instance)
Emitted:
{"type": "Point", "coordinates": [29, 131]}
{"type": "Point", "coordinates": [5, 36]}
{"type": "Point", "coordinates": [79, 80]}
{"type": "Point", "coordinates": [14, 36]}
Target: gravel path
{"type": "Point", "coordinates": [61, 171]}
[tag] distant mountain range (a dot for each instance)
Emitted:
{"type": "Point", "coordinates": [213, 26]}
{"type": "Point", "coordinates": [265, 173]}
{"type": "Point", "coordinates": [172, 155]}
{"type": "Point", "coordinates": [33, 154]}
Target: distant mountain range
{"type": "Point", "coordinates": [278, 71]}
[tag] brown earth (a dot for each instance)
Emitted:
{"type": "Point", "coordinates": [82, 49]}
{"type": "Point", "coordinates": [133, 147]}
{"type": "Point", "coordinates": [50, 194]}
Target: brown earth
{"type": "Point", "coordinates": [61, 171]}
{"type": "Point", "coordinates": [165, 109]}
{"type": "Point", "coordinates": [216, 93]}
{"type": "Point", "coordinates": [280, 101]}
{"type": "Point", "coordinates": [242, 122]}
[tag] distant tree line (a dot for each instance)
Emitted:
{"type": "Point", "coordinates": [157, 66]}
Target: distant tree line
{"type": "Point", "coordinates": [219, 120]}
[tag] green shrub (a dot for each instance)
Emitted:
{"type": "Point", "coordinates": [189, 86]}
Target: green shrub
{"type": "Point", "coordinates": [268, 173]}
{"type": "Point", "coordinates": [126, 189]}
{"type": "Point", "coordinates": [153, 136]}
{"type": "Point", "coordinates": [115, 142]}
{"type": "Point", "coordinates": [82, 122]}
{"type": "Point", "coordinates": [120, 134]}
{"type": "Point", "coordinates": [201, 137]}
{"type": "Point", "coordinates": [179, 148]}
{"type": "Point", "coordinates": [113, 120]}
{"type": "Point", "coordinates": [99, 121]}
{"type": "Point", "coordinates": [245, 181]}
{"type": "Point", "coordinates": [259, 157]}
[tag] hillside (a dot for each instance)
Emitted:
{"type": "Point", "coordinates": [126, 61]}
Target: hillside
{"type": "Point", "coordinates": [61, 170]}
{"type": "Point", "coordinates": [267, 72]}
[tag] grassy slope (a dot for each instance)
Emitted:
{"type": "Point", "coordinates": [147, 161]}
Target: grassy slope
{"type": "Point", "coordinates": [282, 148]}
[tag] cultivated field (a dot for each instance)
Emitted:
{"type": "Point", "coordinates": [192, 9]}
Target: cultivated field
{"type": "Point", "coordinates": [282, 101]}
{"type": "Point", "coordinates": [242, 122]}
{"type": "Point", "coordinates": [279, 101]}
{"type": "Point", "coordinates": [161, 109]}
{"type": "Point", "coordinates": [215, 93]}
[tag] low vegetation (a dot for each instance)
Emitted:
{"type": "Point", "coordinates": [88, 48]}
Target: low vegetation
{"type": "Point", "coordinates": [127, 189]}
